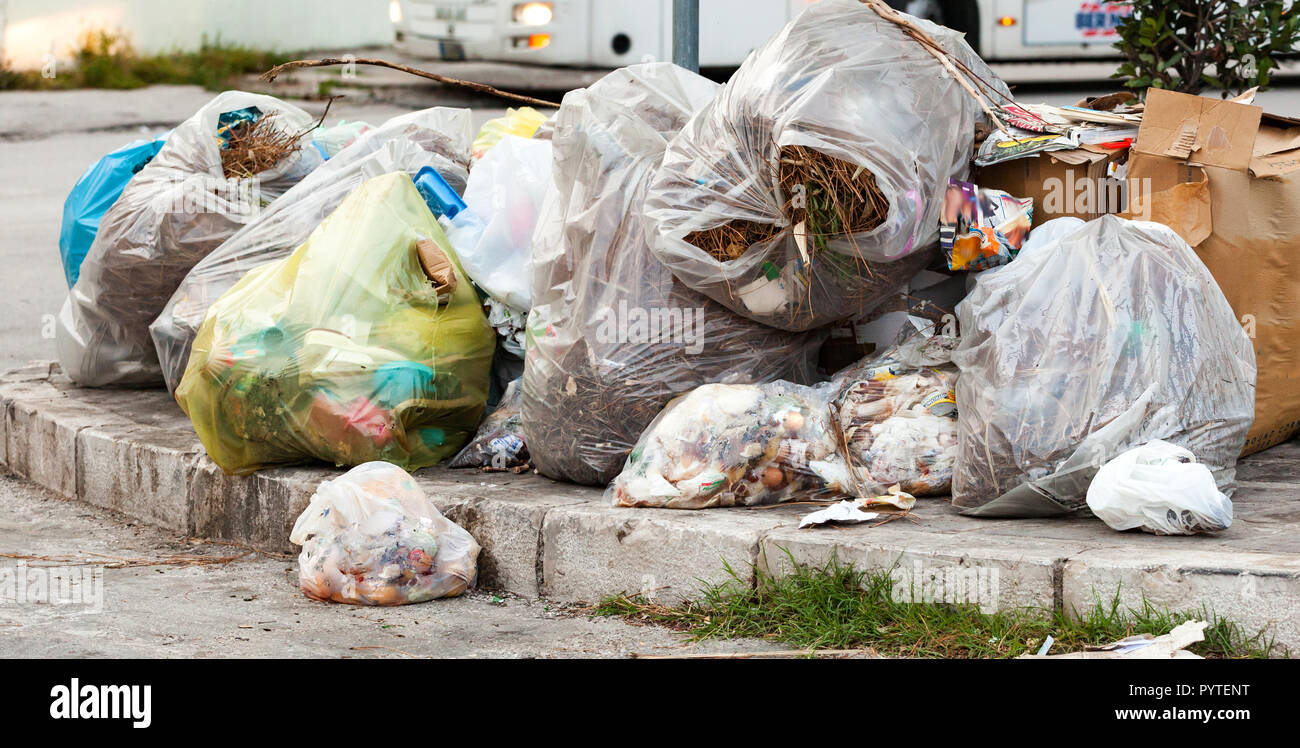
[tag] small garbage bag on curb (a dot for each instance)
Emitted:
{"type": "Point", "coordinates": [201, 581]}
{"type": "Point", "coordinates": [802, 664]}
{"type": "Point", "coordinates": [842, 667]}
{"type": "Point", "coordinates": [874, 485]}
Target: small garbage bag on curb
{"type": "Point", "coordinates": [367, 342]}
{"type": "Point", "coordinates": [1161, 489]}
{"type": "Point", "coordinates": [499, 443]}
{"type": "Point", "coordinates": [898, 414]}
{"type": "Point", "coordinates": [612, 335]}
{"type": "Point", "coordinates": [1106, 339]}
{"type": "Point", "coordinates": [93, 194]}
{"type": "Point", "coordinates": [737, 444]}
{"type": "Point", "coordinates": [180, 207]}
{"type": "Point", "coordinates": [812, 186]}
{"type": "Point", "coordinates": [437, 137]}
{"type": "Point", "coordinates": [371, 537]}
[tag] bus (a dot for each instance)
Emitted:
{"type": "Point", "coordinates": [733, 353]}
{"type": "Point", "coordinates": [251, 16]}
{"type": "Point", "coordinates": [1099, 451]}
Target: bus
{"type": "Point", "coordinates": [613, 33]}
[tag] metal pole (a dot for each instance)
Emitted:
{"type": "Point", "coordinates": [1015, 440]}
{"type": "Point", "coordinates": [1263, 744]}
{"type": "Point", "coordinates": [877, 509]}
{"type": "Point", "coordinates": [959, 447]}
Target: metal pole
{"type": "Point", "coordinates": [686, 34]}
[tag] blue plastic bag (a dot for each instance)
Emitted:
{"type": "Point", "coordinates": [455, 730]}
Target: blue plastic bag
{"type": "Point", "coordinates": [92, 196]}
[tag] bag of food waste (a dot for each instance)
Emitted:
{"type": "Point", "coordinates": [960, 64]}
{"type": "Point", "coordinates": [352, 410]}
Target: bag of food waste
{"type": "Point", "coordinates": [366, 343]}
{"type": "Point", "coordinates": [1103, 340]}
{"type": "Point", "coordinates": [214, 175]}
{"type": "Point", "coordinates": [371, 537]}
{"type": "Point", "coordinates": [811, 187]}
{"type": "Point", "coordinates": [438, 138]}
{"type": "Point", "coordinates": [898, 414]}
{"type": "Point", "coordinates": [612, 335]}
{"type": "Point", "coordinates": [91, 197]}
{"type": "Point", "coordinates": [737, 445]}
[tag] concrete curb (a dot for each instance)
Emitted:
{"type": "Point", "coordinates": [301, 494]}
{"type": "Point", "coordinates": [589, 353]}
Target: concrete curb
{"type": "Point", "coordinates": [134, 452]}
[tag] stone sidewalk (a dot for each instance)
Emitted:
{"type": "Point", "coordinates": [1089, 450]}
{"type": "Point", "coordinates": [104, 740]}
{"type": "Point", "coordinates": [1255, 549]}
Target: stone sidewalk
{"type": "Point", "coordinates": [134, 452]}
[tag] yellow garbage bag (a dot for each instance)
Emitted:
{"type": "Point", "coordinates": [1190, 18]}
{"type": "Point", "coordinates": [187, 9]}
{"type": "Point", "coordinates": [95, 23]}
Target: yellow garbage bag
{"type": "Point", "coordinates": [367, 343]}
{"type": "Point", "coordinates": [522, 122]}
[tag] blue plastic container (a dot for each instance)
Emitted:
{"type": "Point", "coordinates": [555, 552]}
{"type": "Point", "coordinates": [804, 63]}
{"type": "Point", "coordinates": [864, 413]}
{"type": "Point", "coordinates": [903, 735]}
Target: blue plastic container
{"type": "Point", "coordinates": [439, 195]}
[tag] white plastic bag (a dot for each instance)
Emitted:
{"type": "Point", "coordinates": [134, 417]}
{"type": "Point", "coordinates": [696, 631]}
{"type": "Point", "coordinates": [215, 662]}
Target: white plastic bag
{"type": "Point", "coordinates": [371, 537]}
{"type": "Point", "coordinates": [1161, 488]}
{"type": "Point", "coordinates": [493, 239]}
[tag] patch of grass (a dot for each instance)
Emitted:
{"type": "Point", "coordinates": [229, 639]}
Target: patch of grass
{"type": "Point", "coordinates": [836, 606]}
{"type": "Point", "coordinates": [106, 59]}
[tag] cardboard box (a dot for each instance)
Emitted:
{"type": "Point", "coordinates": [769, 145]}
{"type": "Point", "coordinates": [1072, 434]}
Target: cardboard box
{"type": "Point", "coordinates": [1226, 177]}
{"type": "Point", "coordinates": [1062, 183]}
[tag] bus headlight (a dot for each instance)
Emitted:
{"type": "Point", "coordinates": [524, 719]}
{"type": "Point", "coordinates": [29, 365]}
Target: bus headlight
{"type": "Point", "coordinates": [534, 14]}
{"type": "Point", "coordinates": [395, 11]}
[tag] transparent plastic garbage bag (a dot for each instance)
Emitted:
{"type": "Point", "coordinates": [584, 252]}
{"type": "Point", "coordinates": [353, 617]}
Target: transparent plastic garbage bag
{"type": "Point", "coordinates": [612, 335]}
{"type": "Point", "coordinates": [1109, 337]}
{"type": "Point", "coordinates": [845, 83]}
{"type": "Point", "coordinates": [366, 343]}
{"type": "Point", "coordinates": [371, 537]}
{"type": "Point", "coordinates": [175, 211]}
{"type": "Point", "coordinates": [897, 411]}
{"type": "Point", "coordinates": [93, 194]}
{"type": "Point", "coordinates": [737, 445]}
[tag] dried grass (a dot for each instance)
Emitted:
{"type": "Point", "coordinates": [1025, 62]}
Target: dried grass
{"type": "Point", "coordinates": [825, 198]}
{"type": "Point", "coordinates": [257, 146]}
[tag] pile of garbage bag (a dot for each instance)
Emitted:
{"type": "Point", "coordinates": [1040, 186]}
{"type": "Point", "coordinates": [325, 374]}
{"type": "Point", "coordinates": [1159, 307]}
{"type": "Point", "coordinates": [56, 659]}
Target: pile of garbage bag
{"type": "Point", "coordinates": [613, 335]}
{"type": "Point", "coordinates": [438, 138]}
{"type": "Point", "coordinates": [366, 343]}
{"type": "Point", "coordinates": [642, 284]}
{"type": "Point", "coordinates": [1102, 340]}
{"type": "Point", "coordinates": [213, 176]}
{"type": "Point", "coordinates": [811, 187]}
{"type": "Point", "coordinates": [371, 537]}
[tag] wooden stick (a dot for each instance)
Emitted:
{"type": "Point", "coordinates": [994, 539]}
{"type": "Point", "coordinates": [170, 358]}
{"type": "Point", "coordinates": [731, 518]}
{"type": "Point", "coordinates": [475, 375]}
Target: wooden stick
{"type": "Point", "coordinates": [271, 75]}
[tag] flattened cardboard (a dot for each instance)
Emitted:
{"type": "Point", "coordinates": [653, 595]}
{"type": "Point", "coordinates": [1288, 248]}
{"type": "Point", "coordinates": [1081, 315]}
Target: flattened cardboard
{"type": "Point", "coordinates": [1198, 129]}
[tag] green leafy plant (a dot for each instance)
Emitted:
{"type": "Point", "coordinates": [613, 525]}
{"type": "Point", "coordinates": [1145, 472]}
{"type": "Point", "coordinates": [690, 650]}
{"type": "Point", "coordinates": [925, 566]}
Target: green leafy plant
{"type": "Point", "coordinates": [1188, 45]}
{"type": "Point", "coordinates": [838, 606]}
